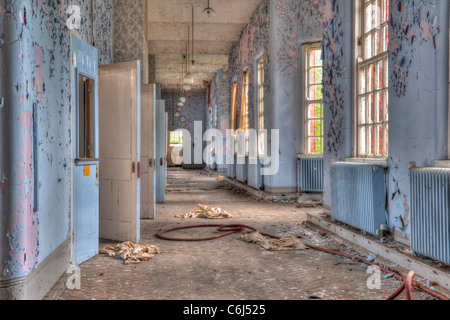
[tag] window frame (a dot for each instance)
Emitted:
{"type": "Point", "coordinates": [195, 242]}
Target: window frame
{"type": "Point", "coordinates": [361, 62]}
{"type": "Point", "coordinates": [260, 102]}
{"type": "Point", "coordinates": [244, 123]}
{"type": "Point", "coordinates": [306, 49]}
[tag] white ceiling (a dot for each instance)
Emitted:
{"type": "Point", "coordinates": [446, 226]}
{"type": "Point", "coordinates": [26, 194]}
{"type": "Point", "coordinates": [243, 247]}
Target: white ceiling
{"type": "Point", "coordinates": [168, 22]}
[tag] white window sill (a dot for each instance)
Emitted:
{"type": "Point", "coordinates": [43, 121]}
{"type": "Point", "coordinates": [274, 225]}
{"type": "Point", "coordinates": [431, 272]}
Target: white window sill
{"type": "Point", "coordinates": [309, 155]}
{"type": "Point", "coordinates": [379, 162]}
{"type": "Point", "coordinates": [442, 164]}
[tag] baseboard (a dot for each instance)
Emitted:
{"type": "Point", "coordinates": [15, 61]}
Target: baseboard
{"type": "Point", "coordinates": [38, 282]}
{"type": "Point", "coordinates": [280, 190]}
{"type": "Point", "coordinates": [193, 166]}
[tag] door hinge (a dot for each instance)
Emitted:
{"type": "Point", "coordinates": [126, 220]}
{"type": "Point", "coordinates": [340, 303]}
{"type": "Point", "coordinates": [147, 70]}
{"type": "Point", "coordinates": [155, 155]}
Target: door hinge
{"type": "Point", "coordinates": [139, 170]}
{"type": "Point", "coordinates": [133, 167]}
{"type": "Point", "coordinates": [150, 163]}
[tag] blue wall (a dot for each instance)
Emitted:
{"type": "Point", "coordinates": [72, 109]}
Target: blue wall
{"type": "Point", "coordinates": [34, 61]}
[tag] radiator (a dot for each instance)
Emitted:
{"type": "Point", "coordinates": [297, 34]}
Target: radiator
{"type": "Point", "coordinates": [255, 178]}
{"type": "Point", "coordinates": [310, 174]}
{"type": "Point", "coordinates": [358, 195]}
{"type": "Point", "coordinates": [430, 213]}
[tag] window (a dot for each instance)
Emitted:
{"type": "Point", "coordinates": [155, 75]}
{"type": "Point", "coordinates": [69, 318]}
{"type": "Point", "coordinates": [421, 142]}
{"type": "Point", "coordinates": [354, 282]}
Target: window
{"type": "Point", "coordinates": [86, 120]}
{"type": "Point", "coordinates": [244, 124]}
{"type": "Point", "coordinates": [233, 107]}
{"type": "Point", "coordinates": [314, 98]}
{"type": "Point", "coordinates": [244, 103]}
{"type": "Point", "coordinates": [260, 91]}
{"type": "Point", "coordinates": [372, 80]}
{"type": "Point", "coordinates": [176, 138]}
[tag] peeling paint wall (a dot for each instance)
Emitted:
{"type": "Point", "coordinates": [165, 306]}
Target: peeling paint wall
{"type": "Point", "coordinates": [277, 32]}
{"type": "Point", "coordinates": [219, 113]}
{"type": "Point", "coordinates": [292, 24]}
{"type": "Point", "coordinates": [253, 43]}
{"type": "Point", "coordinates": [338, 84]}
{"type": "Point", "coordinates": [34, 62]}
{"type": "Point", "coordinates": [418, 93]}
{"type": "Point", "coordinates": [130, 34]}
{"type": "Point", "coordinates": [418, 96]}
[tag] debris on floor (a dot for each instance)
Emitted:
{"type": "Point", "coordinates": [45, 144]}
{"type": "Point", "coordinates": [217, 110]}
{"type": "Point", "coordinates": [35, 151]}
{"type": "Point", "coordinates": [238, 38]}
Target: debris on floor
{"type": "Point", "coordinates": [310, 200]}
{"type": "Point", "coordinates": [318, 295]}
{"type": "Point", "coordinates": [131, 253]}
{"type": "Point", "coordinates": [206, 212]}
{"type": "Point", "coordinates": [287, 242]}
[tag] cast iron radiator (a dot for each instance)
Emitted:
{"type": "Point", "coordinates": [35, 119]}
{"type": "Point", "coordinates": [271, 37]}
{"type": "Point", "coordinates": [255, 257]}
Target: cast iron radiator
{"type": "Point", "coordinates": [310, 174]}
{"type": "Point", "coordinates": [358, 195]}
{"type": "Point", "coordinates": [430, 213]}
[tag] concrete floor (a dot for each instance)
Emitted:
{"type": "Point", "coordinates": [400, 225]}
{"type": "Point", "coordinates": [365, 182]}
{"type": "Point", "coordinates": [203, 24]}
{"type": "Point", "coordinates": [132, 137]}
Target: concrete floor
{"type": "Point", "coordinates": [228, 268]}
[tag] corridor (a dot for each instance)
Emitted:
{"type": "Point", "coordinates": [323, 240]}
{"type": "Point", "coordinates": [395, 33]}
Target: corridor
{"type": "Point", "coordinates": [117, 117]}
{"type": "Point", "coordinates": [227, 268]}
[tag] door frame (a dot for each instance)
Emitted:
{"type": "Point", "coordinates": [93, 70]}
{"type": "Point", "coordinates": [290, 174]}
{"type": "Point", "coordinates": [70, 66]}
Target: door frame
{"type": "Point", "coordinates": [83, 62]}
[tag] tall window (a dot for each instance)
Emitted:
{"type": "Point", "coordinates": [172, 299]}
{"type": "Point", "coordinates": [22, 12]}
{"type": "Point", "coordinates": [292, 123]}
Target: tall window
{"type": "Point", "coordinates": [260, 106]}
{"type": "Point", "coordinates": [244, 103]}
{"type": "Point", "coordinates": [372, 100]}
{"type": "Point", "coordinates": [314, 98]}
{"type": "Point", "coordinates": [176, 138]}
{"type": "Point", "coordinates": [233, 107]}
{"type": "Point", "coordinates": [244, 124]}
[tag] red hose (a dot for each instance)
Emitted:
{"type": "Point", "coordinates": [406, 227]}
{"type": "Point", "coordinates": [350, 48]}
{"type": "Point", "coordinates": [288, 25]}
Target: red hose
{"type": "Point", "coordinates": [236, 228]}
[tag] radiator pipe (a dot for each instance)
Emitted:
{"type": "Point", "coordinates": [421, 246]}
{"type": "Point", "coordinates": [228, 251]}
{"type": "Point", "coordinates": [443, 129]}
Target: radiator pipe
{"type": "Point", "coordinates": [236, 228]}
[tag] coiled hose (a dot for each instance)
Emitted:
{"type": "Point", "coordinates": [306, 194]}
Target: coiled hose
{"type": "Point", "coordinates": [230, 229]}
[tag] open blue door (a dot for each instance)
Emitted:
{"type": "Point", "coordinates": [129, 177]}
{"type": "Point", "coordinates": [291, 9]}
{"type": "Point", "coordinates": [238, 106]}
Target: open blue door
{"type": "Point", "coordinates": [85, 151]}
{"type": "Point", "coordinates": [161, 147]}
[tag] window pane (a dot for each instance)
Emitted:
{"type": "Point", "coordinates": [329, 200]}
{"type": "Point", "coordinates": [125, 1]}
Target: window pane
{"type": "Point", "coordinates": [368, 18]}
{"type": "Point", "coordinates": [371, 110]}
{"type": "Point", "coordinates": [378, 39]}
{"type": "Point", "coordinates": [377, 14]}
{"type": "Point", "coordinates": [371, 137]}
{"type": "Point", "coordinates": [362, 141]}
{"type": "Point", "coordinates": [380, 135]}
{"type": "Point", "coordinates": [362, 80]}
{"type": "Point", "coordinates": [371, 77]}
{"type": "Point", "coordinates": [386, 106]}
{"type": "Point", "coordinates": [362, 110]}
{"type": "Point", "coordinates": [379, 108]}
{"type": "Point", "coordinates": [315, 145]}
{"type": "Point", "coordinates": [315, 92]}
{"type": "Point", "coordinates": [315, 127]}
{"type": "Point", "coordinates": [315, 111]}
{"type": "Point", "coordinates": [315, 76]}
{"type": "Point", "coordinates": [368, 47]}
{"type": "Point", "coordinates": [380, 75]}
{"type": "Point", "coordinates": [316, 58]}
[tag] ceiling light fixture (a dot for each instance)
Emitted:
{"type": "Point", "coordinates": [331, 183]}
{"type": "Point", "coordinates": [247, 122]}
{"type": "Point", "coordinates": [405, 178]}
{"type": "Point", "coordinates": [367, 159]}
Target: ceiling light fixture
{"type": "Point", "coordinates": [188, 78]}
{"type": "Point", "coordinates": [193, 60]}
{"type": "Point", "coordinates": [209, 11]}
